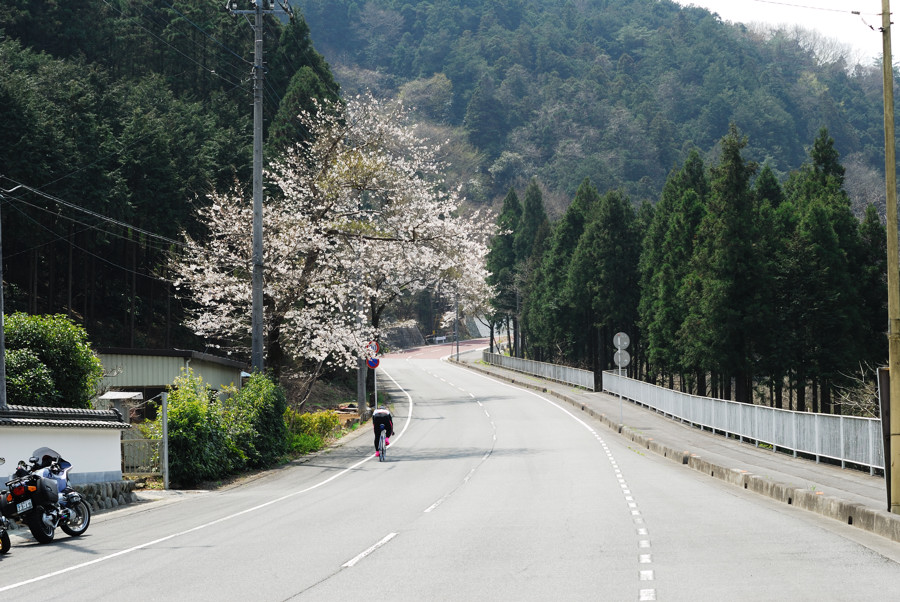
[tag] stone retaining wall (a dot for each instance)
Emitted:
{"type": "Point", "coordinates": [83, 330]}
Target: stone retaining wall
{"type": "Point", "coordinates": [110, 494]}
{"type": "Point", "coordinates": [103, 496]}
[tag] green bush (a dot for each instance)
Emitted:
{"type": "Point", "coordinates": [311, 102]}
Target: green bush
{"type": "Point", "coordinates": [62, 351]}
{"type": "Point", "coordinates": [321, 424]}
{"type": "Point", "coordinates": [309, 431]}
{"type": "Point", "coordinates": [306, 444]}
{"type": "Point", "coordinates": [199, 445]}
{"type": "Point", "coordinates": [28, 382]}
{"type": "Point", "coordinates": [255, 420]}
{"type": "Point", "coordinates": [209, 439]}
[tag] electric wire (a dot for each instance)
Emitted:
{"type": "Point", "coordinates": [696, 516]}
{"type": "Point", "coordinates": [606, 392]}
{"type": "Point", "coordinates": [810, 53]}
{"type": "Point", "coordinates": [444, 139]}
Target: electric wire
{"type": "Point", "coordinates": [819, 8]}
{"type": "Point", "coordinates": [201, 30]}
{"type": "Point", "coordinates": [203, 68]}
{"type": "Point", "coordinates": [87, 211]}
{"type": "Point", "coordinates": [86, 226]}
{"type": "Point", "coordinates": [80, 248]}
{"type": "Point", "coordinates": [163, 23]}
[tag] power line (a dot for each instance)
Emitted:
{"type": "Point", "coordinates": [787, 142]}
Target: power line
{"type": "Point", "coordinates": [86, 226]}
{"type": "Point", "coordinates": [80, 248]}
{"type": "Point", "coordinates": [87, 211]}
{"type": "Point", "coordinates": [201, 30]}
{"type": "Point", "coordinates": [819, 8]}
{"type": "Point", "coordinates": [162, 41]}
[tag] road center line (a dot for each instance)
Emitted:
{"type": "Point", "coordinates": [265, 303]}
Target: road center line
{"type": "Point", "coordinates": [637, 519]}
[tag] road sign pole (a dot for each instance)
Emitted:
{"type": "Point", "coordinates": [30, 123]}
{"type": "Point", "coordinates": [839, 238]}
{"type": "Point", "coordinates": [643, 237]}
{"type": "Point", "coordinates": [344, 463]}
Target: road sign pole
{"type": "Point", "coordinates": [622, 359]}
{"type": "Point", "coordinates": [621, 420]}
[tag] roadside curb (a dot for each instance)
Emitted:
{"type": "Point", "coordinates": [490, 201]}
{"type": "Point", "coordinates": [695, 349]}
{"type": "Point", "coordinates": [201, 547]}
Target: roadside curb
{"type": "Point", "coordinates": [878, 522]}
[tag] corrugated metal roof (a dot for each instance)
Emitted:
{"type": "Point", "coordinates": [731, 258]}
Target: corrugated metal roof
{"type": "Point", "coordinates": [182, 353]}
{"type": "Point", "coordinates": [61, 417]}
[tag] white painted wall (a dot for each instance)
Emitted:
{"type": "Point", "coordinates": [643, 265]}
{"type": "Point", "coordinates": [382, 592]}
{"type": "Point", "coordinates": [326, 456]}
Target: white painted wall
{"type": "Point", "coordinates": [95, 453]}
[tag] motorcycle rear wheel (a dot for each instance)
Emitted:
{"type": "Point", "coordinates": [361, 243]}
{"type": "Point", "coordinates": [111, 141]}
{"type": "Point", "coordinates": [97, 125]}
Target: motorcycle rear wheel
{"type": "Point", "coordinates": [4, 542]}
{"type": "Point", "coordinates": [42, 532]}
{"type": "Point", "coordinates": [78, 524]}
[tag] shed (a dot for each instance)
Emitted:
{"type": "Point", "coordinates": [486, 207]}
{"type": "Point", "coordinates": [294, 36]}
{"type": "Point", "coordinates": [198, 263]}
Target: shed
{"type": "Point", "coordinates": [150, 372]}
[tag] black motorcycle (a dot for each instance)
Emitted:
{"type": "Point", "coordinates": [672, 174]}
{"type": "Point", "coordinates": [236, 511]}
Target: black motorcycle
{"type": "Point", "coordinates": [4, 527]}
{"type": "Point", "coordinates": [39, 496]}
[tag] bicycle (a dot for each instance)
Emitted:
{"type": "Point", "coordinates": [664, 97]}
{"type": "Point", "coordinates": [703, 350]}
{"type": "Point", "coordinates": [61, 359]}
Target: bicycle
{"type": "Point", "coordinates": [382, 446]}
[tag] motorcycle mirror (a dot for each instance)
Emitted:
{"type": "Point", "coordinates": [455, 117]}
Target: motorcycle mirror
{"type": "Point", "coordinates": [2, 460]}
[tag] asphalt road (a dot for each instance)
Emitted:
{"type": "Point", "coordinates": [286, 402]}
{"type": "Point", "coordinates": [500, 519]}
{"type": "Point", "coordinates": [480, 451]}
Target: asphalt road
{"type": "Point", "coordinates": [490, 492]}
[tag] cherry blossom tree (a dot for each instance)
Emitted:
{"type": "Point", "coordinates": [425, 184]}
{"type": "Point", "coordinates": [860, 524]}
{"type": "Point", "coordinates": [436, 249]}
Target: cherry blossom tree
{"type": "Point", "coordinates": [356, 217]}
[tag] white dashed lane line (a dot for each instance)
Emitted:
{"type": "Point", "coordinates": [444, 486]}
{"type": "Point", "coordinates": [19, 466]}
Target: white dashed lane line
{"type": "Point", "coordinates": [644, 557]}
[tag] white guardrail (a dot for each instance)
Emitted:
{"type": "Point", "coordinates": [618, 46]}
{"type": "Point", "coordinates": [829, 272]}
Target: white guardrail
{"type": "Point", "coordinates": [847, 439]}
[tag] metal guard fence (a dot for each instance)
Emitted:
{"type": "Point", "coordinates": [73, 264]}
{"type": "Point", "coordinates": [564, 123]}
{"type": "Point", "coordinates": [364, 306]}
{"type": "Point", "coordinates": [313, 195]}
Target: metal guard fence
{"type": "Point", "coordinates": [554, 372]}
{"type": "Point", "coordinates": [847, 439]}
{"type": "Point", "coordinates": [141, 456]}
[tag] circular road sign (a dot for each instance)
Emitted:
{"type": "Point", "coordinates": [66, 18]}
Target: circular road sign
{"type": "Point", "coordinates": [373, 347]}
{"type": "Point", "coordinates": [373, 362]}
{"type": "Point", "coordinates": [621, 340]}
{"type": "Point", "coordinates": [622, 358]}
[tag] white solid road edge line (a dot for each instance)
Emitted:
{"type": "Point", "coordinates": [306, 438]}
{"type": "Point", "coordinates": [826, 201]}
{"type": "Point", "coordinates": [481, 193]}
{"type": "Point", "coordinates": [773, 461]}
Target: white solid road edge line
{"type": "Point", "coordinates": [148, 544]}
{"type": "Point", "coordinates": [362, 555]}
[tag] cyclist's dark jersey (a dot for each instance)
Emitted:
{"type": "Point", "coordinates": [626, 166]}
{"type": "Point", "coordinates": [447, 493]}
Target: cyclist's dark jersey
{"type": "Point", "coordinates": [381, 417]}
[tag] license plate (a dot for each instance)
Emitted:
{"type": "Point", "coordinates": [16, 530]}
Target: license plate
{"type": "Point", "coordinates": [23, 506]}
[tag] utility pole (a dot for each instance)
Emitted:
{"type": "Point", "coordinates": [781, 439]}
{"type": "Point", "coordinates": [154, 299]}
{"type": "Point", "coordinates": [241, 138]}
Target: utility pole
{"type": "Point", "coordinates": [3, 403]}
{"type": "Point", "coordinates": [2, 332]}
{"type": "Point", "coordinates": [893, 259]}
{"type": "Point", "coordinates": [456, 324]}
{"type": "Point", "coordinates": [260, 8]}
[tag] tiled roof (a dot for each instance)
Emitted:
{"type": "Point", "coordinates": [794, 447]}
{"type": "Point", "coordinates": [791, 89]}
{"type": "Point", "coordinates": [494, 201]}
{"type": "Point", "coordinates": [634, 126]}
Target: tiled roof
{"type": "Point", "coordinates": [61, 417]}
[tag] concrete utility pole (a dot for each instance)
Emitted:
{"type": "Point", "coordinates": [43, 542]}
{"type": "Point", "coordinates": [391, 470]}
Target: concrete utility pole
{"type": "Point", "coordinates": [2, 332]}
{"type": "Point", "coordinates": [260, 8]}
{"type": "Point", "coordinates": [893, 259]}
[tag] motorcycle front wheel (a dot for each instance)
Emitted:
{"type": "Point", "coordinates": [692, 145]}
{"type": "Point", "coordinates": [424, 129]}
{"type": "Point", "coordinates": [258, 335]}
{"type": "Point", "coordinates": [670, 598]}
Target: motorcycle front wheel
{"type": "Point", "coordinates": [4, 542]}
{"type": "Point", "coordinates": [81, 518]}
{"type": "Point", "coordinates": [42, 531]}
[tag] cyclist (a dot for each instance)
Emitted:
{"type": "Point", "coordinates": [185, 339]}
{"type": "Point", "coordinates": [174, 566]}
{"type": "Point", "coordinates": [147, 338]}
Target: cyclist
{"type": "Point", "coordinates": [382, 417]}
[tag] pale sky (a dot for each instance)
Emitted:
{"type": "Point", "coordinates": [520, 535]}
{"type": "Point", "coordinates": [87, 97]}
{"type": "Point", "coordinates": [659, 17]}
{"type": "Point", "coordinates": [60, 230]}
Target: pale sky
{"type": "Point", "coordinates": [833, 18]}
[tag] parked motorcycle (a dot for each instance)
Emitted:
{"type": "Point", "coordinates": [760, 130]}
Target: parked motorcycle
{"type": "Point", "coordinates": [39, 496]}
{"type": "Point", "coordinates": [4, 527]}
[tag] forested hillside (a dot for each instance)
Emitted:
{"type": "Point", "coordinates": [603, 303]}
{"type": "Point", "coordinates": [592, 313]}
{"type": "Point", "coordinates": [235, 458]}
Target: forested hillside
{"type": "Point", "coordinates": [136, 111]}
{"type": "Point", "coordinates": [616, 90]}
{"type": "Point", "coordinates": [132, 111]}
{"type": "Point", "coordinates": [733, 284]}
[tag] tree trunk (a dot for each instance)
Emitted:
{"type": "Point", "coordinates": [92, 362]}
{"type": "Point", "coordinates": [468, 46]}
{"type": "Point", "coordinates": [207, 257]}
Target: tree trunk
{"type": "Point", "coordinates": [517, 341]}
{"type": "Point", "coordinates": [701, 383]}
{"type": "Point", "coordinates": [801, 393]}
{"type": "Point", "coordinates": [741, 393]}
{"type": "Point", "coordinates": [594, 341]}
{"type": "Point", "coordinates": [828, 404]}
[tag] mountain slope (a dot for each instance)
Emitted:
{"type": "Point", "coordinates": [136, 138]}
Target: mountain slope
{"type": "Point", "coordinates": [618, 91]}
